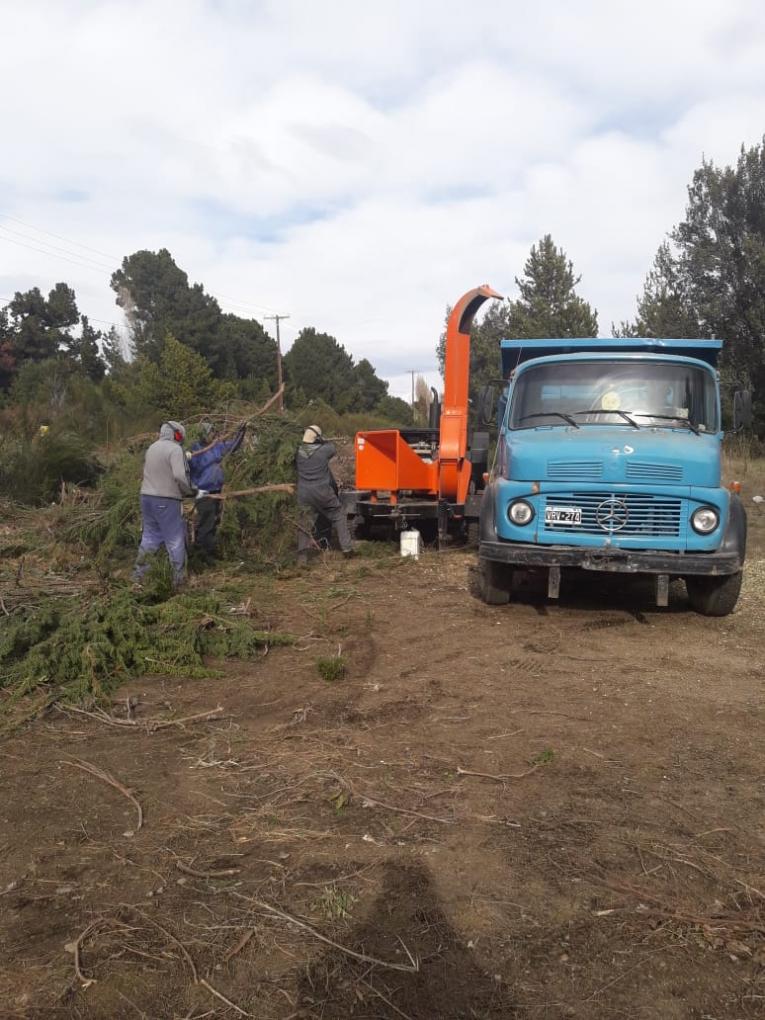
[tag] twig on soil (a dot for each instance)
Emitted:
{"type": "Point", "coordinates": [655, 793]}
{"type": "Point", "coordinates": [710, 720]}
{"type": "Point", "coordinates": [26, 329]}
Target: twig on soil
{"type": "Point", "coordinates": [150, 725]}
{"type": "Point", "coordinates": [171, 938]}
{"type": "Point", "coordinates": [75, 948]}
{"type": "Point", "coordinates": [412, 968]}
{"type": "Point", "coordinates": [239, 945]}
{"type": "Point", "coordinates": [387, 1002]}
{"type": "Point", "coordinates": [403, 811]}
{"type": "Point", "coordinates": [219, 995]}
{"type": "Point", "coordinates": [499, 778]}
{"type": "Point", "coordinates": [107, 777]}
{"type": "Point", "coordinates": [161, 724]}
{"type": "Point", "coordinates": [222, 873]}
{"type": "Point", "coordinates": [750, 888]}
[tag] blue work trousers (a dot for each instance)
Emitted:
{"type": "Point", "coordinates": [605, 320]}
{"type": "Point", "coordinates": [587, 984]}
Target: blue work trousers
{"type": "Point", "coordinates": [163, 525]}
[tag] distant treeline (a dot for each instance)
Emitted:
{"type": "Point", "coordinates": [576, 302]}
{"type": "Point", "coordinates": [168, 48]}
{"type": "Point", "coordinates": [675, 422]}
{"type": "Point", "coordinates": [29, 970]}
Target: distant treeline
{"type": "Point", "coordinates": [181, 356]}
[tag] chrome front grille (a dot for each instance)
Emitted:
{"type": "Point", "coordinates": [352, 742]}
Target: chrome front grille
{"type": "Point", "coordinates": [636, 514]}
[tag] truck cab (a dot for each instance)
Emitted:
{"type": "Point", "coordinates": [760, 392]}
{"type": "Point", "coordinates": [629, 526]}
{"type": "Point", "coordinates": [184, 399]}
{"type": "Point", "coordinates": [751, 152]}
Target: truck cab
{"type": "Point", "coordinates": [609, 459]}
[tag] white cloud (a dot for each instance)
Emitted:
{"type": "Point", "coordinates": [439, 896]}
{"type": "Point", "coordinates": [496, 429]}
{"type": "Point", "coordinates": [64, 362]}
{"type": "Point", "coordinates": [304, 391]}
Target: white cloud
{"type": "Point", "coordinates": [359, 166]}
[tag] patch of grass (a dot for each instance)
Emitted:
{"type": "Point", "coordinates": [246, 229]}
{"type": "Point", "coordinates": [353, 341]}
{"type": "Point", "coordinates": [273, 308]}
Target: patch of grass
{"type": "Point", "coordinates": [543, 758]}
{"type": "Point", "coordinates": [334, 904]}
{"type": "Point", "coordinates": [332, 668]}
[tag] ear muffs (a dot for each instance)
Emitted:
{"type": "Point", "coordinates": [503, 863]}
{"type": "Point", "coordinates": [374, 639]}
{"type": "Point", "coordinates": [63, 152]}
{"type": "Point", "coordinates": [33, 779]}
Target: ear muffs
{"type": "Point", "coordinates": [178, 436]}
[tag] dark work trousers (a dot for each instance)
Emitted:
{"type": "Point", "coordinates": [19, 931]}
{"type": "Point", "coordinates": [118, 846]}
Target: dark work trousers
{"type": "Point", "coordinates": [207, 514]}
{"type": "Point", "coordinates": [328, 514]}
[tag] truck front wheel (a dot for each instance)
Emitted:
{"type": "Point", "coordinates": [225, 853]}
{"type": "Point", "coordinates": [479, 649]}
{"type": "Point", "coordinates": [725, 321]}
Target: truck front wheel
{"type": "Point", "coordinates": [714, 596]}
{"type": "Point", "coordinates": [494, 582]}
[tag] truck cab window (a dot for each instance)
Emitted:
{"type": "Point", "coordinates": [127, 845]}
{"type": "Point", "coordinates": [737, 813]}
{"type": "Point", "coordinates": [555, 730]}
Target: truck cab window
{"type": "Point", "coordinates": [631, 393]}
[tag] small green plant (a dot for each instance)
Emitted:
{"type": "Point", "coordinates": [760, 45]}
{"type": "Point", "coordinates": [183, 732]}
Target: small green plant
{"type": "Point", "coordinates": [543, 758]}
{"type": "Point", "coordinates": [334, 904]}
{"type": "Point", "coordinates": [332, 668]}
{"type": "Point", "coordinates": [340, 801]}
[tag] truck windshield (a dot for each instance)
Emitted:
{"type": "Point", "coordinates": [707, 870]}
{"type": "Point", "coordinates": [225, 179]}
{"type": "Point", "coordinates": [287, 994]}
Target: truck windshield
{"type": "Point", "coordinates": [634, 394]}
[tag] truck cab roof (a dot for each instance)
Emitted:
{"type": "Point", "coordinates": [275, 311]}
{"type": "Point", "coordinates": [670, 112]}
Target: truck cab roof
{"type": "Point", "coordinates": [515, 352]}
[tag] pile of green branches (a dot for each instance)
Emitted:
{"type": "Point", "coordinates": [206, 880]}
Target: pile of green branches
{"type": "Point", "coordinates": [86, 648]}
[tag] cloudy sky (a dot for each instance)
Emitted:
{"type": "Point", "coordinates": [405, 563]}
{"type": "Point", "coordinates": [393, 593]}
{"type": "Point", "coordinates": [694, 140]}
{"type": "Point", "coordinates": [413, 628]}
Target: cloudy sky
{"type": "Point", "coordinates": [356, 164]}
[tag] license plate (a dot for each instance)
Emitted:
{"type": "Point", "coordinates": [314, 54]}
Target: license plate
{"type": "Point", "coordinates": [563, 515]}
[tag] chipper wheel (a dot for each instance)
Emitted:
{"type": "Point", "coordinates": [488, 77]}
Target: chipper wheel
{"type": "Point", "coordinates": [494, 582]}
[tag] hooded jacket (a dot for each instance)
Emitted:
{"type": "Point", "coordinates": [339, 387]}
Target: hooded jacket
{"type": "Point", "coordinates": [312, 462]}
{"type": "Point", "coordinates": [165, 471]}
{"type": "Point", "coordinates": [205, 466]}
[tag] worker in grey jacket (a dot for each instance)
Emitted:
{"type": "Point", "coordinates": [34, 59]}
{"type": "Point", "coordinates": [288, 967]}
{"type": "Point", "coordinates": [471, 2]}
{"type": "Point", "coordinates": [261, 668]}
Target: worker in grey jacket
{"type": "Point", "coordinates": [165, 483]}
{"type": "Point", "coordinates": [317, 489]}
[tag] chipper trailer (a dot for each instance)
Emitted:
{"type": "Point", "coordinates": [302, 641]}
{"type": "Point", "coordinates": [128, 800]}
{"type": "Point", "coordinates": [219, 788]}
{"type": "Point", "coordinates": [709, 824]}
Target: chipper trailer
{"type": "Point", "coordinates": [429, 478]}
{"type": "Point", "coordinates": [609, 459]}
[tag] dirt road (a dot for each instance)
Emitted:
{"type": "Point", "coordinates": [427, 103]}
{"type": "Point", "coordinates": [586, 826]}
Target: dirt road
{"type": "Point", "coordinates": [534, 811]}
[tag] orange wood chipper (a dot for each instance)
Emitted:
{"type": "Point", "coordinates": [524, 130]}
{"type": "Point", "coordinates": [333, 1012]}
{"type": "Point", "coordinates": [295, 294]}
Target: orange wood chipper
{"type": "Point", "coordinates": [429, 478]}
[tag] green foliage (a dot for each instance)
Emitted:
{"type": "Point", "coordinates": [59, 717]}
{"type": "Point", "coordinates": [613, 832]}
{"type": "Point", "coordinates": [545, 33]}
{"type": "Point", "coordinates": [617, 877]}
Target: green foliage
{"type": "Point", "coordinates": [32, 470]}
{"type": "Point", "coordinates": [34, 328]}
{"type": "Point", "coordinates": [180, 384]}
{"type": "Point", "coordinates": [318, 367]}
{"type": "Point", "coordinates": [665, 308]}
{"type": "Point", "coordinates": [331, 669]}
{"type": "Point", "coordinates": [708, 278]}
{"type": "Point", "coordinates": [158, 300]}
{"type": "Point", "coordinates": [394, 409]}
{"type": "Point", "coordinates": [548, 306]}
{"type": "Point", "coordinates": [370, 388]}
{"type": "Point", "coordinates": [87, 649]}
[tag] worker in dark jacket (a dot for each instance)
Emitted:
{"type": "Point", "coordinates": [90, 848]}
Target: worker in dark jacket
{"type": "Point", "coordinates": [206, 470]}
{"type": "Point", "coordinates": [317, 490]}
{"type": "Point", "coordinates": [165, 483]}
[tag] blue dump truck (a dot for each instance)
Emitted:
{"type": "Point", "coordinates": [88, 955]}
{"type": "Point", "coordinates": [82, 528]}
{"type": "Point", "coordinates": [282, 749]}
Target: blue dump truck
{"type": "Point", "coordinates": [609, 459]}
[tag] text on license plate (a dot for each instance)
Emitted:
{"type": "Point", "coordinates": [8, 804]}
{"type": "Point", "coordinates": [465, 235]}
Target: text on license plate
{"type": "Point", "coordinates": [563, 515]}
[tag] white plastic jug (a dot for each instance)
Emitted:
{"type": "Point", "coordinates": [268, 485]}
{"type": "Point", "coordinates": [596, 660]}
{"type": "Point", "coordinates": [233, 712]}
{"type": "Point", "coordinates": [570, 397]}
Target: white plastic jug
{"type": "Point", "coordinates": [411, 543]}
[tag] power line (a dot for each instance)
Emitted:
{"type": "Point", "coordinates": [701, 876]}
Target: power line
{"type": "Point", "coordinates": [53, 255]}
{"type": "Point", "coordinates": [85, 259]}
{"type": "Point", "coordinates": [74, 258]}
{"type": "Point", "coordinates": [60, 237]}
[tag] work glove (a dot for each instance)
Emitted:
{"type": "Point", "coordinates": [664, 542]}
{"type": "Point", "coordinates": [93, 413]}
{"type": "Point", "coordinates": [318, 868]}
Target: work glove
{"type": "Point", "coordinates": [201, 493]}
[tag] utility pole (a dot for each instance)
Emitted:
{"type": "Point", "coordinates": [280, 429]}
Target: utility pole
{"type": "Point", "coordinates": [279, 379]}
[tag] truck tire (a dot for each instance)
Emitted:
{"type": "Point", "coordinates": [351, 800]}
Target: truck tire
{"type": "Point", "coordinates": [714, 596]}
{"type": "Point", "coordinates": [494, 582]}
{"type": "Point", "coordinates": [472, 534]}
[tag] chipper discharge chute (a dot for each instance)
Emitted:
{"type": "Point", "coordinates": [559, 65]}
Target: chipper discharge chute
{"type": "Point", "coordinates": [429, 478]}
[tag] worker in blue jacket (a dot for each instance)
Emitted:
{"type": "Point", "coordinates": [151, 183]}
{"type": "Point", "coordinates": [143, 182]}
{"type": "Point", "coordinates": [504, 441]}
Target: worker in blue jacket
{"type": "Point", "coordinates": [206, 471]}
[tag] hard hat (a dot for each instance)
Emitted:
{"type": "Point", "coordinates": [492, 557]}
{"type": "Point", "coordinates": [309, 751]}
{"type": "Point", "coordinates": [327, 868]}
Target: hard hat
{"type": "Point", "coordinates": [311, 434]}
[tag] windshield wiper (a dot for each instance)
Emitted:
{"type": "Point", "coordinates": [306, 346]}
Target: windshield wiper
{"type": "Point", "coordinates": [613, 410]}
{"type": "Point", "coordinates": [551, 414]}
{"type": "Point", "coordinates": [672, 417]}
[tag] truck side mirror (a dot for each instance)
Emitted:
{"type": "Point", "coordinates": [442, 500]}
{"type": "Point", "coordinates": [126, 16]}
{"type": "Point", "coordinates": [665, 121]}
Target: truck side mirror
{"type": "Point", "coordinates": [486, 402]}
{"type": "Point", "coordinates": [742, 410]}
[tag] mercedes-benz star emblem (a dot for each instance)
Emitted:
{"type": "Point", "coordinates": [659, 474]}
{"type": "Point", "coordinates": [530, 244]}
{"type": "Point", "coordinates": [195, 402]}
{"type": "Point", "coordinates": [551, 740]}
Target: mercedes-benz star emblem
{"type": "Point", "coordinates": [612, 514]}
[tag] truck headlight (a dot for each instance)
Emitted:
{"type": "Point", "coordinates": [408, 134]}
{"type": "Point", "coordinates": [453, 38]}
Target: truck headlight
{"type": "Point", "coordinates": [520, 512]}
{"type": "Point", "coordinates": [704, 520]}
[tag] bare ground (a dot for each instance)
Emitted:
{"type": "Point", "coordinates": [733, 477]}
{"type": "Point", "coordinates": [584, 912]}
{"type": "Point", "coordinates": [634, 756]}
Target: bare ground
{"type": "Point", "coordinates": [525, 812]}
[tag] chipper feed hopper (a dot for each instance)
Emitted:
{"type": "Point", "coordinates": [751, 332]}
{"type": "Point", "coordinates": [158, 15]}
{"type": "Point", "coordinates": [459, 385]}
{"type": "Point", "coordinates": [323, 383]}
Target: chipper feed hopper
{"type": "Point", "coordinates": [429, 478]}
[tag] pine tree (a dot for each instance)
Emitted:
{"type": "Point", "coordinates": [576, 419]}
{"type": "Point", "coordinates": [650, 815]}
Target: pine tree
{"type": "Point", "coordinates": [665, 308]}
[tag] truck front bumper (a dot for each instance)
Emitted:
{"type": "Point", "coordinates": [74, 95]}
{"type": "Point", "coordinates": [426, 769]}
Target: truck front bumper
{"type": "Point", "coordinates": [519, 554]}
